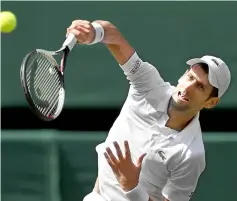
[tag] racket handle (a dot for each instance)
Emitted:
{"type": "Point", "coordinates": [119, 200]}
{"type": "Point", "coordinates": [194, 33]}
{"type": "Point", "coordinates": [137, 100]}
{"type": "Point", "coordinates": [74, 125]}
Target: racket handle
{"type": "Point", "coordinates": [70, 42]}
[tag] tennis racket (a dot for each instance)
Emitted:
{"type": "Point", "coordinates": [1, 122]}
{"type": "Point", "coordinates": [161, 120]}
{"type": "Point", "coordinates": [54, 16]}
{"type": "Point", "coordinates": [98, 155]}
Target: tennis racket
{"type": "Point", "coordinates": [42, 79]}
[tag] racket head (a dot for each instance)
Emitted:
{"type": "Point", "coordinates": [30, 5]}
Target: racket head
{"type": "Point", "coordinates": [43, 83]}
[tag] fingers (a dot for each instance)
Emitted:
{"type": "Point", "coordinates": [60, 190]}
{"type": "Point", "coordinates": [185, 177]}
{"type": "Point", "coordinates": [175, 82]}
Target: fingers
{"type": "Point", "coordinates": [110, 161]}
{"type": "Point", "coordinates": [127, 150]}
{"type": "Point", "coordinates": [140, 159]}
{"type": "Point", "coordinates": [111, 156]}
{"type": "Point", "coordinates": [74, 31]}
{"type": "Point", "coordinates": [81, 36]}
{"type": "Point", "coordinates": [79, 27]}
{"type": "Point", "coordinates": [118, 151]}
{"type": "Point", "coordinates": [116, 163]}
{"type": "Point", "coordinates": [82, 30]}
{"type": "Point", "coordinates": [82, 22]}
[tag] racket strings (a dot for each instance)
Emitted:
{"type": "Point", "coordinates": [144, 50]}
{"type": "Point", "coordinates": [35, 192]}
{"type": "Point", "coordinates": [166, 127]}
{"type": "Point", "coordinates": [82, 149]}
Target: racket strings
{"type": "Point", "coordinates": [44, 84]}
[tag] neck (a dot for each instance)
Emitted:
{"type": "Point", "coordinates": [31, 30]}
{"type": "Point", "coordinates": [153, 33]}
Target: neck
{"type": "Point", "coordinates": [178, 120]}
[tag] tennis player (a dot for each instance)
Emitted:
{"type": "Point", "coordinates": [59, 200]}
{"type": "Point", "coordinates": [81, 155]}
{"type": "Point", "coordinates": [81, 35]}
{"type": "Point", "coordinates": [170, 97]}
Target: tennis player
{"type": "Point", "coordinates": [154, 150]}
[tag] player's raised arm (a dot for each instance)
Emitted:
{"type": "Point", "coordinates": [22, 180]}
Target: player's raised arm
{"type": "Point", "coordinates": [116, 43]}
{"type": "Point", "coordinates": [102, 31]}
{"type": "Point", "coordinates": [142, 75]}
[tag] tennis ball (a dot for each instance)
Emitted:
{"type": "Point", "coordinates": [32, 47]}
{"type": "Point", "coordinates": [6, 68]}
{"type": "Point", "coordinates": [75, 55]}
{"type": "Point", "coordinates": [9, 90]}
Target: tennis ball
{"type": "Point", "coordinates": [7, 21]}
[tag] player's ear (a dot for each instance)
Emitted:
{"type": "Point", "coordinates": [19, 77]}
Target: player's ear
{"type": "Point", "coordinates": [212, 102]}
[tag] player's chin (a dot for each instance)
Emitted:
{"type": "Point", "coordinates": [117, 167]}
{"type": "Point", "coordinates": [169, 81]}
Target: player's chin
{"type": "Point", "coordinates": [179, 106]}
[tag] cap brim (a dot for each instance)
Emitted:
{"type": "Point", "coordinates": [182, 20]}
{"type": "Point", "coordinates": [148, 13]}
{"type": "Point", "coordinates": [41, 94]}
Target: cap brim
{"type": "Point", "coordinates": [194, 61]}
{"type": "Point", "coordinates": [212, 80]}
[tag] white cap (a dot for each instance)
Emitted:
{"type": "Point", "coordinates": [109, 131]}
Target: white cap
{"type": "Point", "coordinates": [219, 73]}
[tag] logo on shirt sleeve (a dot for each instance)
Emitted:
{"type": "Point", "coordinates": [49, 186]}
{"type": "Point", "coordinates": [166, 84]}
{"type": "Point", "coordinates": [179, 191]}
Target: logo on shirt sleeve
{"type": "Point", "coordinates": [136, 66]}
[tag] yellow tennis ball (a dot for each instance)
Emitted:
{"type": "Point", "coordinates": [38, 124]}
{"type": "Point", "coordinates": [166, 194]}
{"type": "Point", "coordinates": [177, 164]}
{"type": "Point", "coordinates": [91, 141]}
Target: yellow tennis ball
{"type": "Point", "coordinates": [7, 21]}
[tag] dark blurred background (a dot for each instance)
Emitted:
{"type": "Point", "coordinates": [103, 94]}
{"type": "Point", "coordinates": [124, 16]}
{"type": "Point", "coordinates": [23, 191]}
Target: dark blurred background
{"type": "Point", "coordinates": [56, 161]}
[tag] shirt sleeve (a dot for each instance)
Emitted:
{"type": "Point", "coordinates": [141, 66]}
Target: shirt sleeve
{"type": "Point", "coordinates": [183, 180]}
{"type": "Point", "coordinates": [142, 76]}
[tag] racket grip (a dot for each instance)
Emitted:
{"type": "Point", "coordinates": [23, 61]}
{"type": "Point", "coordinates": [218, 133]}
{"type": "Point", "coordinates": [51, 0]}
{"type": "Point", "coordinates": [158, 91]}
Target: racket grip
{"type": "Point", "coordinates": [70, 42]}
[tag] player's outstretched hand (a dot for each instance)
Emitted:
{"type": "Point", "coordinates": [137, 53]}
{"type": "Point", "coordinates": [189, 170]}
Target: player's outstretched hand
{"type": "Point", "coordinates": [83, 31]}
{"type": "Point", "coordinates": [126, 172]}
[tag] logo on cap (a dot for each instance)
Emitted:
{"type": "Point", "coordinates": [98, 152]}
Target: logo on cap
{"type": "Point", "coordinates": [215, 61]}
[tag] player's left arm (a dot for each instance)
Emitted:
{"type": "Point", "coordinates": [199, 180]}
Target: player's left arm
{"type": "Point", "coordinates": [180, 186]}
{"type": "Point", "coordinates": [127, 172]}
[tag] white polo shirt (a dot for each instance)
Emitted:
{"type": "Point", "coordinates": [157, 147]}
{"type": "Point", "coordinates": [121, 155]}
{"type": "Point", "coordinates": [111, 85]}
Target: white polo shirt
{"type": "Point", "coordinates": [174, 160]}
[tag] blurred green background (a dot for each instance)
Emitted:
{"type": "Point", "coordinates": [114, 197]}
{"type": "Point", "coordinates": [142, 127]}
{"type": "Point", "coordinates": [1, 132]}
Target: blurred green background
{"type": "Point", "coordinates": [166, 34]}
{"type": "Point", "coordinates": [42, 164]}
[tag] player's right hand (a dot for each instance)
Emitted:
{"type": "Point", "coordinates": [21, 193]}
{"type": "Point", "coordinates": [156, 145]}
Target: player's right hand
{"type": "Point", "coordinates": [83, 31]}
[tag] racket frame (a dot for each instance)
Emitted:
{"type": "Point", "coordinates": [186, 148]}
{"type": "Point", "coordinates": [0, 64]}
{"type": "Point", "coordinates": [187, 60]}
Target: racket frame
{"type": "Point", "coordinates": [60, 71]}
{"type": "Point", "coordinates": [67, 46]}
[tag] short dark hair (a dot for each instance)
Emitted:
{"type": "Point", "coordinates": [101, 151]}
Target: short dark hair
{"type": "Point", "coordinates": [205, 68]}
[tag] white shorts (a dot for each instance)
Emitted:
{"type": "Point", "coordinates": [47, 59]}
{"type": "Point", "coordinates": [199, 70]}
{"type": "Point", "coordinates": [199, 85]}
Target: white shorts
{"type": "Point", "coordinates": [93, 196]}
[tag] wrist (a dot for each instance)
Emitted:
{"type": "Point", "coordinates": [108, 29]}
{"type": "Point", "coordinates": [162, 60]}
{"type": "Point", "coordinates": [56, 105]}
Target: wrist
{"type": "Point", "coordinates": [137, 194]}
{"type": "Point", "coordinates": [99, 33]}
